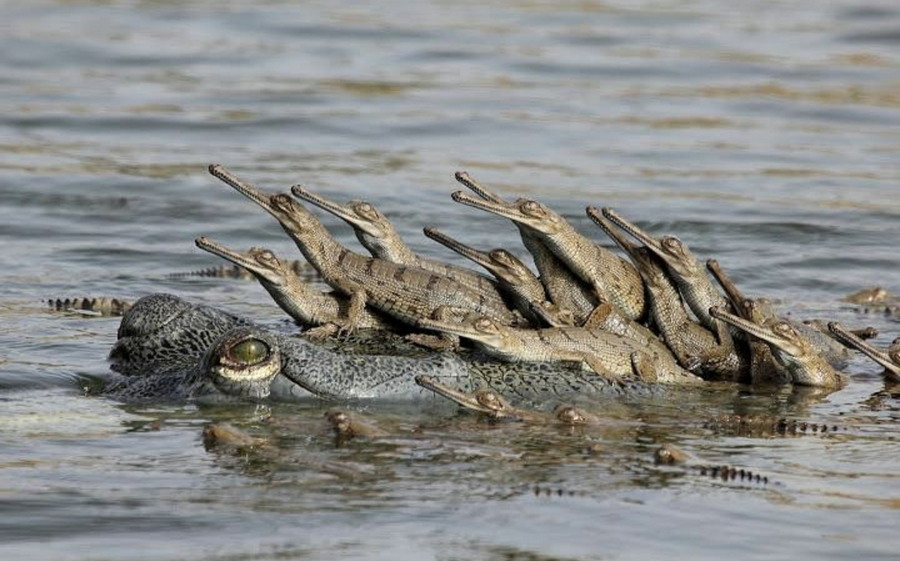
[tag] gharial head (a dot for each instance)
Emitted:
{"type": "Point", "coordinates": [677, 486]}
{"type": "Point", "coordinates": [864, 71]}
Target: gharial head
{"type": "Point", "coordinates": [482, 399]}
{"type": "Point", "coordinates": [480, 329]}
{"type": "Point", "coordinates": [368, 222]}
{"type": "Point", "coordinates": [259, 261]}
{"type": "Point", "coordinates": [773, 330]}
{"type": "Point", "coordinates": [509, 267]}
{"type": "Point", "coordinates": [669, 248]}
{"type": "Point", "coordinates": [243, 362]}
{"type": "Point", "coordinates": [574, 416]}
{"type": "Point", "coordinates": [522, 211]}
{"type": "Point", "coordinates": [292, 216]}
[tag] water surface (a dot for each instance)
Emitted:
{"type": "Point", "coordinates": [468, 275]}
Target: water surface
{"type": "Point", "coordinates": [763, 134]}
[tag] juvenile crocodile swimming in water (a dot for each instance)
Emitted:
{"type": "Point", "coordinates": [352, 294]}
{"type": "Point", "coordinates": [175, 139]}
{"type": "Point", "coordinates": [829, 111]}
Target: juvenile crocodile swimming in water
{"type": "Point", "coordinates": [491, 403]}
{"type": "Point", "coordinates": [164, 337]}
{"type": "Point", "coordinates": [101, 306]}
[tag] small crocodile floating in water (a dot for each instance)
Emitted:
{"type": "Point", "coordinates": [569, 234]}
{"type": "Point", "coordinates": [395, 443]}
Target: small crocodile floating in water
{"type": "Point", "coordinates": [875, 300]}
{"type": "Point", "coordinates": [670, 455]}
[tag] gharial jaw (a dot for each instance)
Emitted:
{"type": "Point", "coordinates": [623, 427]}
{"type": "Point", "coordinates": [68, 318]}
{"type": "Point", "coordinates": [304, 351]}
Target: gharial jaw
{"type": "Point", "coordinates": [481, 400]}
{"type": "Point", "coordinates": [790, 348]}
{"type": "Point", "coordinates": [295, 219]}
{"type": "Point", "coordinates": [669, 248]}
{"type": "Point", "coordinates": [372, 228]}
{"type": "Point", "coordinates": [890, 360]}
{"type": "Point", "coordinates": [523, 211]}
{"type": "Point", "coordinates": [477, 188]}
{"type": "Point", "coordinates": [260, 261]}
{"type": "Point", "coordinates": [502, 264]}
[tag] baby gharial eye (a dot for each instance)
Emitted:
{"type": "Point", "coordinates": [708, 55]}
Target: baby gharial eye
{"type": "Point", "coordinates": [672, 244]}
{"type": "Point", "coordinates": [266, 256]}
{"type": "Point", "coordinates": [486, 325]}
{"type": "Point", "coordinates": [249, 351]}
{"type": "Point", "coordinates": [533, 208]}
{"type": "Point", "coordinates": [364, 208]}
{"type": "Point", "coordinates": [489, 400]}
{"type": "Point", "coordinates": [570, 415]}
{"type": "Point", "coordinates": [500, 256]}
{"type": "Point", "coordinates": [783, 328]}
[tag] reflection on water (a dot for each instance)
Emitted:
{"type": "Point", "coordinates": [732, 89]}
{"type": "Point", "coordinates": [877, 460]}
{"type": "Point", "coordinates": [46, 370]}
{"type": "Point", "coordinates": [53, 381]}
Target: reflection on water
{"type": "Point", "coordinates": [763, 135]}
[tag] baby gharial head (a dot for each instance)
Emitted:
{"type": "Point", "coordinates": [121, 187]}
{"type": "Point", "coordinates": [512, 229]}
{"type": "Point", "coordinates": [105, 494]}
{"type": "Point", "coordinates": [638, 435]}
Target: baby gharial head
{"type": "Point", "coordinates": [369, 218]}
{"type": "Point", "coordinates": [293, 216]}
{"type": "Point", "coordinates": [508, 265]}
{"type": "Point", "coordinates": [487, 331]}
{"type": "Point", "coordinates": [539, 216]}
{"type": "Point", "coordinates": [786, 337]}
{"type": "Point", "coordinates": [571, 415]}
{"type": "Point", "coordinates": [677, 255]}
{"type": "Point", "coordinates": [243, 362]}
{"type": "Point", "coordinates": [492, 403]}
{"type": "Point", "coordinates": [270, 267]}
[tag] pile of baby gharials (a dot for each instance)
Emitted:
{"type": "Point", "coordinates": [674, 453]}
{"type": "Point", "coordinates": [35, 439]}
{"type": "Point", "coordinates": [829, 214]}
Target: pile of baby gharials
{"type": "Point", "coordinates": [653, 314]}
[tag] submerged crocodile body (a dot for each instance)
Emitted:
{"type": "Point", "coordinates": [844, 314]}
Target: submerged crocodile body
{"type": "Point", "coordinates": [875, 300]}
{"type": "Point", "coordinates": [165, 338]}
{"type": "Point", "coordinates": [100, 306]}
{"type": "Point", "coordinates": [303, 270]}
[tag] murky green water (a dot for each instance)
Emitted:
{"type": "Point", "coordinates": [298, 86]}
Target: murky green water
{"type": "Point", "coordinates": [763, 133]}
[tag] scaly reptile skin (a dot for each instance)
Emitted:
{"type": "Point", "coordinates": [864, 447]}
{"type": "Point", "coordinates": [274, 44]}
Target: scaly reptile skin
{"type": "Point", "coordinates": [611, 277]}
{"type": "Point", "coordinates": [694, 345]}
{"type": "Point", "coordinates": [309, 307]}
{"type": "Point", "coordinates": [101, 306]}
{"type": "Point", "coordinates": [791, 349]}
{"type": "Point", "coordinates": [164, 336]}
{"type": "Point", "coordinates": [405, 293]}
{"type": "Point", "coordinates": [608, 354]}
{"type": "Point", "coordinates": [521, 286]}
{"type": "Point", "coordinates": [693, 283]}
{"type": "Point", "coordinates": [376, 233]}
{"type": "Point", "coordinates": [564, 288]}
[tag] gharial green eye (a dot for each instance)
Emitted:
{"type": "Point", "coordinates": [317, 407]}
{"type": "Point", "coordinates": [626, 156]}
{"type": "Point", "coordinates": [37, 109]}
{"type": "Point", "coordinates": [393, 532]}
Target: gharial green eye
{"type": "Point", "coordinates": [250, 351]}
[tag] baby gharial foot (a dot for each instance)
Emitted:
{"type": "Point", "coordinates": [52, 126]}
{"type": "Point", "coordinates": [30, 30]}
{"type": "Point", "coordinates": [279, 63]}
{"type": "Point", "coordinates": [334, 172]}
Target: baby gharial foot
{"type": "Point", "coordinates": [324, 331]}
{"type": "Point", "coordinates": [644, 367]}
{"type": "Point", "coordinates": [434, 342]}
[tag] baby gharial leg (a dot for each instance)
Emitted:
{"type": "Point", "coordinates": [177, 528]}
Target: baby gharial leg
{"type": "Point", "coordinates": [443, 341]}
